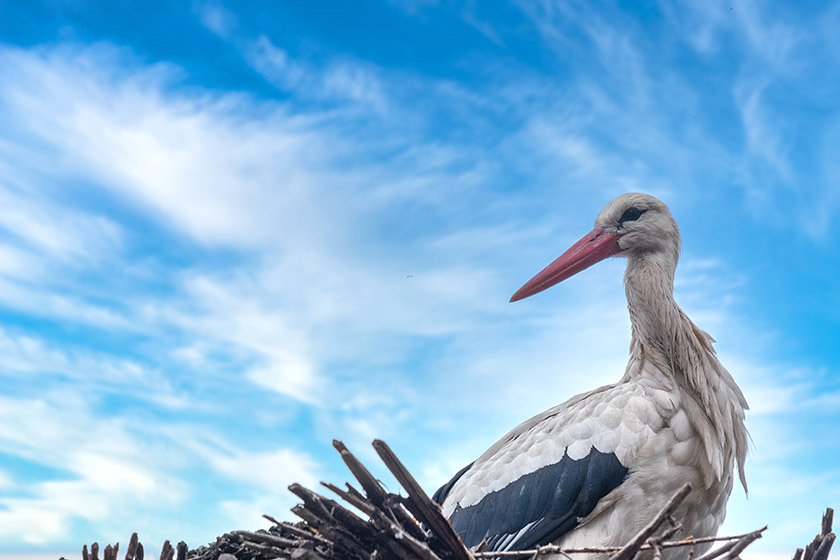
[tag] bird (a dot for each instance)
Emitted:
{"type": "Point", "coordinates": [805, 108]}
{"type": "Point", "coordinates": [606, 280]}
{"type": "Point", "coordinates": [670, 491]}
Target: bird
{"type": "Point", "coordinates": [594, 470]}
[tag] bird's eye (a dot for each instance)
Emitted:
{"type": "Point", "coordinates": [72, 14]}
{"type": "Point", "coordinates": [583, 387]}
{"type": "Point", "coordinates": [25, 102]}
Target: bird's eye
{"type": "Point", "coordinates": [630, 215]}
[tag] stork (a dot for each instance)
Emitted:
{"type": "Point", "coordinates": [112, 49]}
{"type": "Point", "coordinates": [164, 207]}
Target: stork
{"type": "Point", "coordinates": [594, 470]}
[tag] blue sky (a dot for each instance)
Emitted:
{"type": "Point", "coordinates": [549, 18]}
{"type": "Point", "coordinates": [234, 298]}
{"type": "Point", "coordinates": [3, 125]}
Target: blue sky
{"type": "Point", "coordinates": [231, 233]}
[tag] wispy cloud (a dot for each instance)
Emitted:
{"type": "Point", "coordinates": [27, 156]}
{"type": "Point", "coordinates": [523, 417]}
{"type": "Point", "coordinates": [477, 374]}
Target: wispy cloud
{"type": "Point", "coordinates": [215, 17]}
{"type": "Point", "coordinates": [107, 468]}
{"type": "Point", "coordinates": [341, 80]}
{"type": "Point", "coordinates": [100, 466]}
{"type": "Point", "coordinates": [764, 140]}
{"type": "Point", "coordinates": [39, 223]}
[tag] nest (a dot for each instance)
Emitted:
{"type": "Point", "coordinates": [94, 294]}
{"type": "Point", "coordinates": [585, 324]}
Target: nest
{"type": "Point", "coordinates": [412, 527]}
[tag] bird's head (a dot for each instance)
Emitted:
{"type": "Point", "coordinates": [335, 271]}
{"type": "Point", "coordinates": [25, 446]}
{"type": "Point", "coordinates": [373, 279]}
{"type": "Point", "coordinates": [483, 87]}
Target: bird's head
{"type": "Point", "coordinates": [633, 225]}
{"type": "Point", "coordinates": [641, 223]}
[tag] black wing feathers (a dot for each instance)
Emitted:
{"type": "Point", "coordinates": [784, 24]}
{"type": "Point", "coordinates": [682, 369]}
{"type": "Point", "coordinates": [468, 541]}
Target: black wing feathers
{"type": "Point", "coordinates": [443, 491]}
{"type": "Point", "coordinates": [548, 501]}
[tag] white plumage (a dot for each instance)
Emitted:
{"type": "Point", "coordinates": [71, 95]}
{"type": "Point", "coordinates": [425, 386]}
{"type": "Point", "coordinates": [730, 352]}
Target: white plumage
{"type": "Point", "coordinates": [595, 469]}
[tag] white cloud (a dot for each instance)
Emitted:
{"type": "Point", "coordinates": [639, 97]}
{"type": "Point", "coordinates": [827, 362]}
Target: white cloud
{"type": "Point", "coordinates": [26, 556]}
{"type": "Point", "coordinates": [341, 80]}
{"type": "Point", "coordinates": [101, 464]}
{"type": "Point", "coordinates": [264, 183]}
{"type": "Point", "coordinates": [109, 469]}
{"type": "Point", "coordinates": [772, 38]}
{"type": "Point", "coordinates": [270, 471]}
{"type": "Point", "coordinates": [215, 17]}
{"type": "Point", "coordinates": [764, 138]}
{"type": "Point", "coordinates": [265, 475]}
{"type": "Point", "coordinates": [56, 231]}
{"type": "Point", "coordinates": [19, 264]}
{"type": "Point", "coordinates": [203, 171]}
{"type": "Point", "coordinates": [188, 160]}
{"type": "Point", "coordinates": [41, 301]}
{"type": "Point", "coordinates": [30, 359]}
{"type": "Point", "coordinates": [766, 36]}
{"type": "Point", "coordinates": [289, 374]}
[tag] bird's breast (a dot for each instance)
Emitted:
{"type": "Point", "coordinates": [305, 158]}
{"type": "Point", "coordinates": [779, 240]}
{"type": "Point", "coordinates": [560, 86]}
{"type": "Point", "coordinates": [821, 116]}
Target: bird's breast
{"type": "Point", "coordinates": [625, 512]}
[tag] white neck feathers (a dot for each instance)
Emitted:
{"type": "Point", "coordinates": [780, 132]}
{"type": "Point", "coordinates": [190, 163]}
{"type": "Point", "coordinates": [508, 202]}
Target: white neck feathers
{"type": "Point", "coordinates": [664, 335]}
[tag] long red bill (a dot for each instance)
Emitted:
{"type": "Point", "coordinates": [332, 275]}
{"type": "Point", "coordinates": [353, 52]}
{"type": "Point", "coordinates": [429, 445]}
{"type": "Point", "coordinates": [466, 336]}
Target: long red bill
{"type": "Point", "coordinates": [595, 246]}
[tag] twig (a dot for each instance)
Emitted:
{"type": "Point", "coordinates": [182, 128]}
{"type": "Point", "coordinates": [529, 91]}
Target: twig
{"type": "Point", "coordinates": [828, 519]}
{"type": "Point", "coordinates": [375, 492]}
{"type": "Point", "coordinates": [131, 553]}
{"type": "Point", "coordinates": [632, 548]}
{"type": "Point", "coordinates": [265, 538]}
{"type": "Point", "coordinates": [656, 543]}
{"type": "Point", "coordinates": [553, 549]}
{"type": "Point", "coordinates": [734, 548]}
{"type": "Point", "coordinates": [821, 545]}
{"type": "Point", "coordinates": [426, 510]}
{"type": "Point", "coordinates": [167, 553]}
{"type": "Point", "coordinates": [657, 552]}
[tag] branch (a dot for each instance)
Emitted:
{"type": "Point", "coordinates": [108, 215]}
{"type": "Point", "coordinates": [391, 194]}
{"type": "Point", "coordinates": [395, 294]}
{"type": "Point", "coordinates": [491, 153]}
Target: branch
{"type": "Point", "coordinates": [630, 550]}
{"type": "Point", "coordinates": [733, 549]}
{"type": "Point", "coordinates": [821, 545]}
{"type": "Point", "coordinates": [425, 509]}
{"type": "Point", "coordinates": [553, 549]}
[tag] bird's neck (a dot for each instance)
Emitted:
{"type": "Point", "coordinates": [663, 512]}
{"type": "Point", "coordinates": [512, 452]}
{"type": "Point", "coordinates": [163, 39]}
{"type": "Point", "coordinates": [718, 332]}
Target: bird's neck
{"type": "Point", "coordinates": [682, 353]}
{"type": "Point", "coordinates": [649, 283]}
{"type": "Point", "coordinates": [662, 332]}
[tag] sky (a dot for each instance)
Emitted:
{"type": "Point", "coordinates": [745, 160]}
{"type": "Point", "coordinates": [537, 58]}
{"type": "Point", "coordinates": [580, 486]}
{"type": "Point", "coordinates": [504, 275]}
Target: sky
{"type": "Point", "coordinates": [231, 232]}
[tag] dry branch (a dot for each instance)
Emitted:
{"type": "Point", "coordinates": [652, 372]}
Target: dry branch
{"type": "Point", "coordinates": [552, 549]}
{"type": "Point", "coordinates": [821, 545]}
{"type": "Point", "coordinates": [629, 551]}
{"type": "Point", "coordinates": [421, 505]}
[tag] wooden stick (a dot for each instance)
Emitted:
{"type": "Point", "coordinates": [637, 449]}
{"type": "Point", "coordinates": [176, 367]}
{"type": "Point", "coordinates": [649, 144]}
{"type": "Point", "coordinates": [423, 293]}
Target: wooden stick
{"type": "Point", "coordinates": [630, 550]}
{"type": "Point", "coordinates": [827, 520]}
{"type": "Point", "coordinates": [131, 552]}
{"type": "Point", "coordinates": [552, 549]}
{"type": "Point", "coordinates": [345, 544]}
{"type": "Point", "coordinates": [309, 535]}
{"type": "Point", "coordinates": [167, 553]}
{"type": "Point", "coordinates": [357, 502]}
{"type": "Point", "coordinates": [406, 533]}
{"type": "Point", "coordinates": [370, 485]}
{"type": "Point", "coordinates": [734, 548]}
{"type": "Point", "coordinates": [821, 545]}
{"type": "Point", "coordinates": [266, 538]}
{"type": "Point", "coordinates": [427, 511]}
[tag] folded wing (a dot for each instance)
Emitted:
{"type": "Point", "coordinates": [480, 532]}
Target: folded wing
{"type": "Point", "coordinates": [543, 478]}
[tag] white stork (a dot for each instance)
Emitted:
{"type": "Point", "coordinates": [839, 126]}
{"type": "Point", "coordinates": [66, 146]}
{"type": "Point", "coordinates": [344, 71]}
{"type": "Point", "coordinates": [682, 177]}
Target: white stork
{"type": "Point", "coordinates": [594, 470]}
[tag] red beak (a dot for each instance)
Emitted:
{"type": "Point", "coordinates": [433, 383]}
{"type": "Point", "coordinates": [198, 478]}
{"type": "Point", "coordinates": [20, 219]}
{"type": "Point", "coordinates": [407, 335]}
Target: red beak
{"type": "Point", "coordinates": [595, 246]}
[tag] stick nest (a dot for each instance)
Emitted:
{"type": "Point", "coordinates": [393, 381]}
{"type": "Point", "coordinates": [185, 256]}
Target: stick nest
{"type": "Point", "coordinates": [387, 526]}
